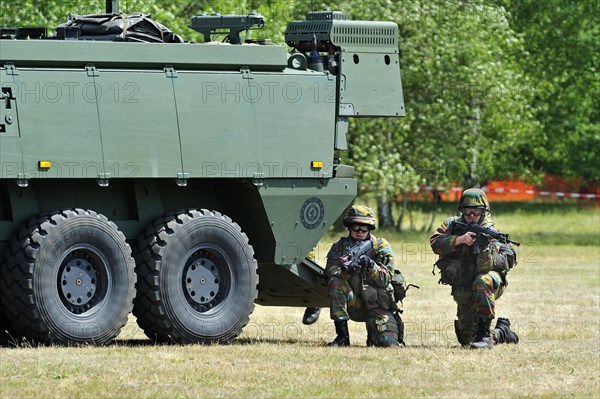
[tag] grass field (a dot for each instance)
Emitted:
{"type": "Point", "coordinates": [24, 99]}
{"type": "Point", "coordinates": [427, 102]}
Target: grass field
{"type": "Point", "coordinates": [553, 301]}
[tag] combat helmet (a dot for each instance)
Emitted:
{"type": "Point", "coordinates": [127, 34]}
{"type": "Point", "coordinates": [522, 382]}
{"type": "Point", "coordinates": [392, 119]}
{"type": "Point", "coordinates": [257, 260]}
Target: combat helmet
{"type": "Point", "coordinates": [474, 198]}
{"type": "Point", "coordinates": [360, 214]}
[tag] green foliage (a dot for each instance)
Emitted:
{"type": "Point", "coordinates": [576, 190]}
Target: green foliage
{"type": "Point", "coordinates": [175, 14]}
{"type": "Point", "coordinates": [467, 100]}
{"type": "Point", "coordinates": [493, 88]}
{"type": "Point", "coordinates": [47, 13]}
{"type": "Point", "coordinates": [562, 38]}
{"type": "Point", "coordinates": [469, 117]}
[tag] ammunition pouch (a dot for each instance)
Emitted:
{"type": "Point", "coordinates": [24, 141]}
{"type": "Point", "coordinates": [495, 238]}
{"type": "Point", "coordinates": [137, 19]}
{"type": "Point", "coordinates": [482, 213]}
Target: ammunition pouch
{"type": "Point", "coordinates": [369, 296]}
{"type": "Point", "coordinates": [399, 286]}
{"type": "Point", "coordinates": [382, 298]}
{"type": "Point", "coordinates": [386, 298]}
{"type": "Point", "coordinates": [505, 260]}
{"type": "Point", "coordinates": [485, 258]}
{"type": "Point", "coordinates": [450, 270]}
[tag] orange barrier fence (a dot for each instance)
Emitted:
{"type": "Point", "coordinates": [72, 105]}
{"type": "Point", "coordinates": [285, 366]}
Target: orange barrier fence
{"type": "Point", "coordinates": [512, 190]}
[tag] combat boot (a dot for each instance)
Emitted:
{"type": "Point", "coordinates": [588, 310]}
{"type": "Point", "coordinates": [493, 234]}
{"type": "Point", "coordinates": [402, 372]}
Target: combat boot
{"type": "Point", "coordinates": [503, 333]}
{"type": "Point", "coordinates": [311, 315]}
{"type": "Point", "coordinates": [459, 335]}
{"type": "Point", "coordinates": [343, 336]}
{"type": "Point", "coordinates": [483, 339]}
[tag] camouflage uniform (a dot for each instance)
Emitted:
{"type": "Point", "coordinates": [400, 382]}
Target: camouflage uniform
{"type": "Point", "coordinates": [357, 296]}
{"type": "Point", "coordinates": [479, 282]}
{"type": "Point", "coordinates": [479, 286]}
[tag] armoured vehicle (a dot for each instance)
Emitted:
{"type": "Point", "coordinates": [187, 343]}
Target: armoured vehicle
{"type": "Point", "coordinates": [183, 182]}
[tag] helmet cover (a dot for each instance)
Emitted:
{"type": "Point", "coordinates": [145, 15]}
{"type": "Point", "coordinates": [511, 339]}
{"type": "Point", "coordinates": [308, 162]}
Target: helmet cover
{"type": "Point", "coordinates": [360, 214]}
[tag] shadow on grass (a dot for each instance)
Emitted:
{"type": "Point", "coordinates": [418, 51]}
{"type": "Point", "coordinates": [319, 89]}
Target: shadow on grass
{"type": "Point", "coordinates": [16, 343]}
{"type": "Point", "coordinates": [11, 342]}
{"type": "Point", "coordinates": [277, 341]}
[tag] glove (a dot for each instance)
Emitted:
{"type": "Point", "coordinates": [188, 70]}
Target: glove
{"type": "Point", "coordinates": [365, 262]}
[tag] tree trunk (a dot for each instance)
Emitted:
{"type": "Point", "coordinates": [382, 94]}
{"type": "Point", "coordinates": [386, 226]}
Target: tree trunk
{"type": "Point", "coordinates": [472, 180]}
{"type": "Point", "coordinates": [437, 199]}
{"type": "Point", "coordinates": [403, 211]}
{"type": "Point", "coordinates": [384, 212]}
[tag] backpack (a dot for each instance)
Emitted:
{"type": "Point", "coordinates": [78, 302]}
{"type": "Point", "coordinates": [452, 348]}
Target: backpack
{"type": "Point", "coordinates": [116, 27]}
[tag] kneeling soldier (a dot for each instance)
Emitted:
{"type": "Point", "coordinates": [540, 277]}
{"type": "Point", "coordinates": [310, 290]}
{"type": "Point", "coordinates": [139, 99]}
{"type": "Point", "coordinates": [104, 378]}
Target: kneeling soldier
{"type": "Point", "coordinates": [363, 292]}
{"type": "Point", "coordinates": [476, 267]}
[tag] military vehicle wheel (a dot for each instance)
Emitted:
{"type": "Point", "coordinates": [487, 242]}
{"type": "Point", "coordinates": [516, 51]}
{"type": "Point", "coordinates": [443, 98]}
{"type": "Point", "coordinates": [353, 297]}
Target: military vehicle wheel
{"type": "Point", "coordinates": [5, 329]}
{"type": "Point", "coordinates": [70, 279]}
{"type": "Point", "coordinates": [197, 278]}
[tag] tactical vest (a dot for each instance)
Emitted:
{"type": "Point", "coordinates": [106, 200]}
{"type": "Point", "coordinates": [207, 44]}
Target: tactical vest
{"type": "Point", "coordinates": [458, 268]}
{"type": "Point", "coordinates": [376, 297]}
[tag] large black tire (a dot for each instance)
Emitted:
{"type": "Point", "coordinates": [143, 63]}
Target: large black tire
{"type": "Point", "coordinates": [197, 279]}
{"type": "Point", "coordinates": [6, 331]}
{"type": "Point", "coordinates": [70, 279]}
{"type": "Point", "coordinates": [5, 328]}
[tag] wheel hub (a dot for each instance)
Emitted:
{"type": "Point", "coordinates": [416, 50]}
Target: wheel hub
{"type": "Point", "coordinates": [202, 280]}
{"type": "Point", "coordinates": [79, 281]}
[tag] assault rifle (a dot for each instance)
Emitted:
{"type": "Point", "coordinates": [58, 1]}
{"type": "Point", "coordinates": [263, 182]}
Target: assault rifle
{"type": "Point", "coordinates": [350, 260]}
{"type": "Point", "coordinates": [481, 232]}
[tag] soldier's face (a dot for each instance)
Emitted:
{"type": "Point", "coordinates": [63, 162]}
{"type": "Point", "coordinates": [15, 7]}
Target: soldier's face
{"type": "Point", "coordinates": [472, 214]}
{"type": "Point", "coordinates": [359, 231]}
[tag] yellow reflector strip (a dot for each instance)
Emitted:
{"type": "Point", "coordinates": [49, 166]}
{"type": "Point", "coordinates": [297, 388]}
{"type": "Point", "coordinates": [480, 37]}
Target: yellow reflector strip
{"type": "Point", "coordinates": [316, 164]}
{"type": "Point", "coordinates": [44, 164]}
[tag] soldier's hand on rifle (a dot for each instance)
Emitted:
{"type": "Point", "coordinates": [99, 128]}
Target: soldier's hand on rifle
{"type": "Point", "coordinates": [365, 262]}
{"type": "Point", "coordinates": [468, 238]}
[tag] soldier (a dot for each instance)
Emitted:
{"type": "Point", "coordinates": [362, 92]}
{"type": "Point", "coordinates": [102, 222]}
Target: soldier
{"type": "Point", "coordinates": [365, 293]}
{"type": "Point", "coordinates": [311, 315]}
{"type": "Point", "coordinates": [477, 279]}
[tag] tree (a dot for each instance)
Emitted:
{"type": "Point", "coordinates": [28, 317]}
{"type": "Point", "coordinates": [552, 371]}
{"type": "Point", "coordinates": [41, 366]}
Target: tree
{"type": "Point", "coordinates": [468, 119]}
{"type": "Point", "coordinates": [467, 101]}
{"type": "Point", "coordinates": [175, 14]}
{"type": "Point", "coordinates": [562, 39]}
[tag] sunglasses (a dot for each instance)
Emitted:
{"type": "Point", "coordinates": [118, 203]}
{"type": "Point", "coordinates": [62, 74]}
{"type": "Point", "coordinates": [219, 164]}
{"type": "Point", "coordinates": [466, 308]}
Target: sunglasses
{"type": "Point", "coordinates": [359, 229]}
{"type": "Point", "coordinates": [472, 212]}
